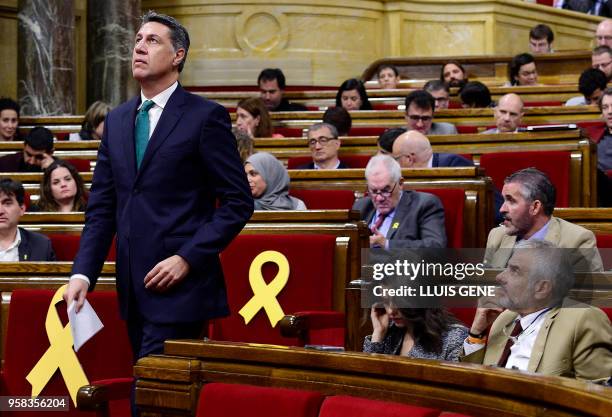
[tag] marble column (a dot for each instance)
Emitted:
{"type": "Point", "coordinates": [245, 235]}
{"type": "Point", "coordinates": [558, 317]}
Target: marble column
{"type": "Point", "coordinates": [111, 28]}
{"type": "Point", "coordinates": [46, 58]}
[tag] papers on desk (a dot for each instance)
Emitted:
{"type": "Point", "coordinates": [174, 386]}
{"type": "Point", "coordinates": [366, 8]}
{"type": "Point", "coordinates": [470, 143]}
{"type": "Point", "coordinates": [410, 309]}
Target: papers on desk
{"type": "Point", "coordinates": [83, 325]}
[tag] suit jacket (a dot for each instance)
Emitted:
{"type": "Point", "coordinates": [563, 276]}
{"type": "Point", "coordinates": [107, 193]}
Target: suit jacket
{"type": "Point", "coordinates": [440, 128]}
{"type": "Point", "coordinates": [15, 163]}
{"type": "Point", "coordinates": [311, 166]}
{"type": "Point", "coordinates": [586, 6]}
{"type": "Point", "coordinates": [418, 221]}
{"type": "Point", "coordinates": [560, 232]}
{"type": "Point", "coordinates": [35, 247]}
{"type": "Point", "coordinates": [450, 160]}
{"type": "Point", "coordinates": [574, 341]}
{"type": "Point", "coordinates": [286, 105]}
{"type": "Point", "coordinates": [167, 207]}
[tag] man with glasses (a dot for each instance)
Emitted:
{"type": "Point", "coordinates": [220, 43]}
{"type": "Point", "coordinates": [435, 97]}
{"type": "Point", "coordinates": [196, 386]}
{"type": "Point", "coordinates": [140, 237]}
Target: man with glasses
{"type": "Point", "coordinates": [602, 60]}
{"type": "Point", "coordinates": [397, 218]}
{"type": "Point", "coordinates": [508, 114]}
{"type": "Point", "coordinates": [323, 143]}
{"type": "Point", "coordinates": [37, 153]}
{"type": "Point", "coordinates": [420, 106]}
{"type": "Point", "coordinates": [439, 91]}
{"type": "Point", "coordinates": [591, 84]}
{"type": "Point", "coordinates": [603, 34]}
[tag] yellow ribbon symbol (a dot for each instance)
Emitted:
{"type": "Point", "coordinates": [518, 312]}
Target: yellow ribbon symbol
{"type": "Point", "coordinates": [58, 355]}
{"type": "Point", "coordinates": [264, 295]}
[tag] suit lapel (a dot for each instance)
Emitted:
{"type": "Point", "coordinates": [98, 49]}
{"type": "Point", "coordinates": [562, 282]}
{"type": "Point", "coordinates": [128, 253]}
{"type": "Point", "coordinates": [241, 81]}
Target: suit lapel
{"type": "Point", "coordinates": [23, 250]}
{"type": "Point", "coordinates": [501, 257]}
{"type": "Point", "coordinates": [553, 234]}
{"type": "Point", "coordinates": [497, 343]}
{"type": "Point", "coordinates": [128, 121]}
{"type": "Point", "coordinates": [400, 213]}
{"type": "Point", "coordinates": [540, 343]}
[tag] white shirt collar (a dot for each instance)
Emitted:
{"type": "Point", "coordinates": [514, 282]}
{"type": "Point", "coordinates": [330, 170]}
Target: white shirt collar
{"type": "Point", "coordinates": [15, 243]}
{"type": "Point", "coordinates": [162, 98]}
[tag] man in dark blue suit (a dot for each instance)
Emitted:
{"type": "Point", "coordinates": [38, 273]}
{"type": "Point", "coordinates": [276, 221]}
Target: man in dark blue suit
{"type": "Point", "coordinates": [413, 150]}
{"type": "Point", "coordinates": [166, 158]}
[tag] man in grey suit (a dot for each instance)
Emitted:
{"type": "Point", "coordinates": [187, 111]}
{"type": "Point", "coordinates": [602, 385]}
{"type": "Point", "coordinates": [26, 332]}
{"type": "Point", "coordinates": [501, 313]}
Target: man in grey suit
{"type": "Point", "coordinates": [420, 107]}
{"type": "Point", "coordinates": [399, 219]}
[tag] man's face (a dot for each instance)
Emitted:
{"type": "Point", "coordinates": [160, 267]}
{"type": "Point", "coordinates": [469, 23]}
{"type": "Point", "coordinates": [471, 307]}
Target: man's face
{"type": "Point", "coordinates": [453, 76]}
{"type": "Point", "coordinates": [323, 146]}
{"type": "Point", "coordinates": [154, 57]}
{"type": "Point", "coordinates": [539, 46]}
{"type": "Point", "coordinates": [508, 115]}
{"type": "Point", "coordinates": [603, 35]}
{"type": "Point", "coordinates": [32, 156]}
{"type": "Point", "coordinates": [10, 212]}
{"type": "Point", "coordinates": [384, 193]}
{"type": "Point", "coordinates": [8, 124]}
{"type": "Point", "coordinates": [441, 97]}
{"type": "Point", "coordinates": [419, 119]}
{"type": "Point", "coordinates": [603, 62]}
{"type": "Point", "coordinates": [606, 111]}
{"type": "Point", "coordinates": [270, 93]}
{"type": "Point", "coordinates": [517, 210]}
{"type": "Point", "coordinates": [514, 292]}
{"type": "Point", "coordinates": [387, 78]}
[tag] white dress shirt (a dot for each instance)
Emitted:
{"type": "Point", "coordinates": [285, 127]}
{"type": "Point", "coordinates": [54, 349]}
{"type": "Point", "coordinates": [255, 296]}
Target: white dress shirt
{"type": "Point", "coordinates": [11, 254]}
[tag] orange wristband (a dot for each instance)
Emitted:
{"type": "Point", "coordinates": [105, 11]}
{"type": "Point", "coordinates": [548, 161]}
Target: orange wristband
{"type": "Point", "coordinates": [477, 340]}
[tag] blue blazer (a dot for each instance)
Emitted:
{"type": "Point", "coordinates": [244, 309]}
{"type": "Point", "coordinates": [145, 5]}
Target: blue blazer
{"type": "Point", "coordinates": [450, 160]}
{"type": "Point", "coordinates": [167, 207]}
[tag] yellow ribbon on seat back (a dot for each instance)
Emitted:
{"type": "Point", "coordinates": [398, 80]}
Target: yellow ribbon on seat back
{"type": "Point", "coordinates": [59, 355]}
{"type": "Point", "coordinates": [264, 295]}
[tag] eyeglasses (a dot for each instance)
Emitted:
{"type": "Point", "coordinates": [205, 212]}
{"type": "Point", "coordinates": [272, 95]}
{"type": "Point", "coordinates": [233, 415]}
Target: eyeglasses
{"type": "Point", "coordinates": [423, 119]}
{"type": "Point", "coordinates": [381, 193]}
{"type": "Point", "coordinates": [322, 140]}
{"type": "Point", "coordinates": [602, 65]}
{"type": "Point", "coordinates": [602, 38]}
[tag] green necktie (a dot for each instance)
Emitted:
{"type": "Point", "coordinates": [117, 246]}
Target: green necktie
{"type": "Point", "coordinates": [142, 130]}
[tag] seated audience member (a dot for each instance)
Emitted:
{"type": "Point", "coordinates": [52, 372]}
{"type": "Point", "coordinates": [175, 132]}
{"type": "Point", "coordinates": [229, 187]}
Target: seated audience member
{"type": "Point", "coordinates": [324, 145]}
{"type": "Point", "coordinates": [17, 244]}
{"type": "Point", "coordinates": [601, 59]}
{"type": "Point", "coordinates": [475, 95]}
{"type": "Point", "coordinates": [352, 96]}
{"type": "Point", "coordinates": [244, 141]}
{"type": "Point", "coordinates": [253, 118]}
{"type": "Point", "coordinates": [388, 76]}
{"type": "Point", "coordinates": [269, 183]}
{"type": "Point", "coordinates": [399, 219]}
{"type": "Point", "coordinates": [271, 82]}
{"type": "Point", "coordinates": [529, 201]}
{"type": "Point", "coordinates": [591, 84]}
{"type": "Point", "coordinates": [439, 91]}
{"type": "Point", "coordinates": [541, 330]}
{"type": "Point", "coordinates": [37, 153]}
{"type": "Point", "coordinates": [62, 189]}
{"type": "Point", "coordinates": [453, 74]}
{"type": "Point", "coordinates": [424, 333]}
{"type": "Point", "coordinates": [522, 71]}
{"type": "Point", "coordinates": [339, 118]}
{"type": "Point", "coordinates": [603, 34]}
{"type": "Point", "coordinates": [93, 125]}
{"type": "Point", "coordinates": [413, 150]}
{"type": "Point", "coordinates": [594, 7]}
{"type": "Point", "coordinates": [508, 114]}
{"type": "Point", "coordinates": [420, 107]}
{"type": "Point", "coordinates": [387, 138]}
{"type": "Point", "coordinates": [9, 119]}
{"type": "Point", "coordinates": [541, 38]}
{"type": "Point", "coordinates": [604, 146]}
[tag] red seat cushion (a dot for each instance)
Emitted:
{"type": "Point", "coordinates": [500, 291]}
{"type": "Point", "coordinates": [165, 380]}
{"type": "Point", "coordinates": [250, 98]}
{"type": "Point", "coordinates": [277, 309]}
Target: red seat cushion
{"type": "Point", "coordinates": [237, 400]}
{"type": "Point", "coordinates": [289, 132]}
{"type": "Point", "coordinates": [555, 164]}
{"type": "Point", "coordinates": [66, 247]}
{"type": "Point", "coordinates": [543, 103]}
{"type": "Point", "coordinates": [343, 406]}
{"type": "Point", "coordinates": [352, 161]}
{"type": "Point", "coordinates": [325, 199]}
{"type": "Point", "coordinates": [367, 131]}
{"type": "Point", "coordinates": [604, 241]}
{"type": "Point", "coordinates": [453, 201]}
{"type": "Point", "coordinates": [467, 129]}
{"type": "Point", "coordinates": [82, 165]}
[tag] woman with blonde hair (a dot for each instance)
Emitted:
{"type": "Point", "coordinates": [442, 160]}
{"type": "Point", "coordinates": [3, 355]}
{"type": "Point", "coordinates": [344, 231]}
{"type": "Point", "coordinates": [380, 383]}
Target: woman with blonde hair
{"type": "Point", "coordinates": [93, 124]}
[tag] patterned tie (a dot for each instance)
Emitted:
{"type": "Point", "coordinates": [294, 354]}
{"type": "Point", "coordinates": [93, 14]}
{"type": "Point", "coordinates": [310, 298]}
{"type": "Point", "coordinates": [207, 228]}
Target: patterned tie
{"type": "Point", "coordinates": [506, 353]}
{"type": "Point", "coordinates": [379, 222]}
{"type": "Point", "coordinates": [142, 130]}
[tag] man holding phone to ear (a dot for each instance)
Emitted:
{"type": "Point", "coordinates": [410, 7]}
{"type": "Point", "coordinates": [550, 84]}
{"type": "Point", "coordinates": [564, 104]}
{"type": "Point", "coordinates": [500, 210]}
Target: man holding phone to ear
{"type": "Point", "coordinates": [37, 153]}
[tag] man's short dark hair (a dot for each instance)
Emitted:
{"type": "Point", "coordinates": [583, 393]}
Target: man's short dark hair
{"type": "Point", "coordinates": [536, 186]}
{"type": "Point", "coordinates": [436, 85]}
{"type": "Point", "coordinates": [476, 95]}
{"type": "Point", "coordinates": [271, 74]}
{"type": "Point", "coordinates": [602, 49]}
{"type": "Point", "coordinates": [340, 118]}
{"type": "Point", "coordinates": [390, 66]}
{"type": "Point", "coordinates": [9, 104]}
{"type": "Point", "coordinates": [178, 33]}
{"type": "Point", "coordinates": [607, 92]}
{"type": "Point", "coordinates": [40, 139]}
{"type": "Point", "coordinates": [422, 99]}
{"type": "Point", "coordinates": [542, 31]}
{"type": "Point", "coordinates": [387, 138]}
{"type": "Point", "coordinates": [591, 80]}
{"type": "Point", "coordinates": [11, 188]}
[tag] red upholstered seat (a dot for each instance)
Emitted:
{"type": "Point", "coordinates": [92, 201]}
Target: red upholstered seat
{"type": "Point", "coordinates": [464, 314]}
{"type": "Point", "coordinates": [543, 103]}
{"type": "Point", "coordinates": [546, 2]}
{"type": "Point", "coordinates": [106, 357]}
{"type": "Point", "coordinates": [82, 165]}
{"type": "Point", "coordinates": [237, 400]}
{"type": "Point", "coordinates": [325, 199]}
{"type": "Point", "coordinates": [604, 241]}
{"type": "Point", "coordinates": [367, 131]}
{"type": "Point", "coordinates": [309, 286]}
{"type": "Point", "coordinates": [594, 129]}
{"type": "Point", "coordinates": [352, 161]}
{"type": "Point", "coordinates": [384, 106]}
{"type": "Point", "coordinates": [289, 132]}
{"type": "Point", "coordinates": [555, 164]}
{"type": "Point", "coordinates": [344, 406]}
{"type": "Point", "coordinates": [66, 247]}
{"type": "Point", "coordinates": [453, 201]}
{"type": "Point", "coordinates": [467, 129]}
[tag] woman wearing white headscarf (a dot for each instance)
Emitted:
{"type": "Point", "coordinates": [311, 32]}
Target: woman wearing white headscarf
{"type": "Point", "coordinates": [269, 183]}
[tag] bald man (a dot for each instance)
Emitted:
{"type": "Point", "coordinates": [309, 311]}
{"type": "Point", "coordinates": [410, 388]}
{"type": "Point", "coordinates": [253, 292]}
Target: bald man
{"type": "Point", "coordinates": [413, 150]}
{"type": "Point", "coordinates": [603, 34]}
{"type": "Point", "coordinates": [508, 114]}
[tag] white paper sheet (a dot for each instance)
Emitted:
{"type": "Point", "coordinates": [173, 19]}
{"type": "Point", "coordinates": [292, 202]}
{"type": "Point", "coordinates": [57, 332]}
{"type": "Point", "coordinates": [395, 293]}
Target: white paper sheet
{"type": "Point", "coordinates": [83, 325]}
